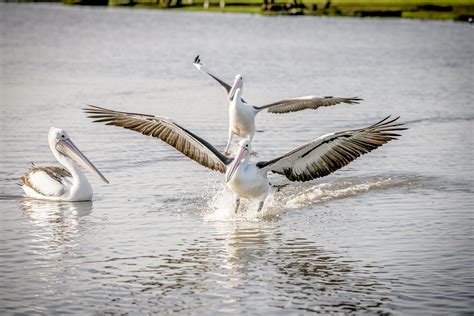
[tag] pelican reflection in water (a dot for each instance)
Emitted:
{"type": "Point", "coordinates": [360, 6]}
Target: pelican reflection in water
{"type": "Point", "coordinates": [55, 224]}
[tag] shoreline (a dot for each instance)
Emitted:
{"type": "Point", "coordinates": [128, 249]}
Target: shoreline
{"type": "Point", "coordinates": [455, 10]}
{"type": "Point", "coordinates": [463, 13]}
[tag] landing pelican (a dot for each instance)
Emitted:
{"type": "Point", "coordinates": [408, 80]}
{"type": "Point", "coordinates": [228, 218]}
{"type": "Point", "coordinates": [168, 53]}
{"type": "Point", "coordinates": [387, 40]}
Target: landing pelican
{"type": "Point", "coordinates": [242, 115]}
{"type": "Point", "coordinates": [61, 184]}
{"type": "Point", "coordinates": [247, 179]}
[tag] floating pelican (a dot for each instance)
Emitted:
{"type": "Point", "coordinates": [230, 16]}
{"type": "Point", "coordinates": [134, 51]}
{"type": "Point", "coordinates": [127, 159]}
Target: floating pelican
{"type": "Point", "coordinates": [59, 184]}
{"type": "Point", "coordinates": [312, 160]}
{"type": "Point", "coordinates": [242, 115]}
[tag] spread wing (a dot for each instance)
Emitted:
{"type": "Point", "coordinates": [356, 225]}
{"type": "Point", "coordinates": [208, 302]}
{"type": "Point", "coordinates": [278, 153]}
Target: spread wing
{"type": "Point", "coordinates": [331, 152]}
{"type": "Point", "coordinates": [303, 103]}
{"type": "Point", "coordinates": [197, 63]}
{"type": "Point", "coordinates": [165, 129]}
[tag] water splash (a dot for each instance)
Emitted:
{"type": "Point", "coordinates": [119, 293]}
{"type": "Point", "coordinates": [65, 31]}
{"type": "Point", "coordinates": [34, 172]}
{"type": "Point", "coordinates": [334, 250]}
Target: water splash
{"type": "Point", "coordinates": [294, 197]}
{"type": "Point", "coordinates": [221, 206]}
{"type": "Point", "coordinates": [221, 203]}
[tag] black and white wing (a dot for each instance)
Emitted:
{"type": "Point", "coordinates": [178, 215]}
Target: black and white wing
{"type": "Point", "coordinates": [197, 63]}
{"type": "Point", "coordinates": [331, 152]}
{"type": "Point", "coordinates": [303, 103]}
{"type": "Point", "coordinates": [165, 129]}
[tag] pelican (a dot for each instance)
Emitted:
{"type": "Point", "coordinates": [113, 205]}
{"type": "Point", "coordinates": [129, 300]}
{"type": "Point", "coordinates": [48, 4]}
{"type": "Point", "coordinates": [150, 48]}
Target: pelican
{"type": "Point", "coordinates": [247, 179]}
{"type": "Point", "coordinates": [61, 184]}
{"type": "Point", "coordinates": [242, 115]}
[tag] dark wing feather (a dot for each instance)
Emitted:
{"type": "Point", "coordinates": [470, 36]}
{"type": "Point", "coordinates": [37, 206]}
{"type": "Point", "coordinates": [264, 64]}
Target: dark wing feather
{"type": "Point", "coordinates": [331, 152]}
{"type": "Point", "coordinates": [197, 63]}
{"type": "Point", "coordinates": [55, 173]}
{"type": "Point", "coordinates": [303, 103]}
{"type": "Point", "coordinates": [165, 129]}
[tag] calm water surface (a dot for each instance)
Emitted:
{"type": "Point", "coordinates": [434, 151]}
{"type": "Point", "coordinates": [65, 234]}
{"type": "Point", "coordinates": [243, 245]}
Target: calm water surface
{"type": "Point", "coordinates": [391, 233]}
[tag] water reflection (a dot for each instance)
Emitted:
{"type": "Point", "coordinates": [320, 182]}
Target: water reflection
{"type": "Point", "coordinates": [240, 265]}
{"type": "Point", "coordinates": [301, 274]}
{"type": "Point", "coordinates": [241, 246]}
{"type": "Point", "coordinates": [54, 224]}
{"type": "Point", "coordinates": [46, 213]}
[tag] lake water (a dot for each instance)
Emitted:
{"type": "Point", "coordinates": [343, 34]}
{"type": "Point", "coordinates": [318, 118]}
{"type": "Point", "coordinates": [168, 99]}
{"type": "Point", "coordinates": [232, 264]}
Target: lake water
{"type": "Point", "coordinates": [390, 233]}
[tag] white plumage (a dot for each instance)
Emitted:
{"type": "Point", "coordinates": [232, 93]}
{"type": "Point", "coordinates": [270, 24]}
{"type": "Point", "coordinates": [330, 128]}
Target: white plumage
{"type": "Point", "coordinates": [242, 115]}
{"type": "Point", "coordinates": [61, 184]}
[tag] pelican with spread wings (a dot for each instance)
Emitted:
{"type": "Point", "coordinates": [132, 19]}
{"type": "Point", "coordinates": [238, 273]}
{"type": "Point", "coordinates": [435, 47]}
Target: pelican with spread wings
{"type": "Point", "coordinates": [315, 159]}
{"type": "Point", "coordinates": [242, 115]}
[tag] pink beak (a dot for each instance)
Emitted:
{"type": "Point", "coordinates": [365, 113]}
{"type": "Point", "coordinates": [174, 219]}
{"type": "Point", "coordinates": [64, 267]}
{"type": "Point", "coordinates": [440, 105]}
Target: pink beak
{"type": "Point", "coordinates": [236, 164]}
{"type": "Point", "coordinates": [237, 85]}
{"type": "Point", "coordinates": [67, 148]}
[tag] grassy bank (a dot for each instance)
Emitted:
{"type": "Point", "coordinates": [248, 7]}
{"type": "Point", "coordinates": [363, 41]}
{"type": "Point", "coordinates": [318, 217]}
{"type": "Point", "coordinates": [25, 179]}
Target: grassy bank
{"type": "Point", "coordinates": [419, 9]}
{"type": "Point", "coordinates": [459, 10]}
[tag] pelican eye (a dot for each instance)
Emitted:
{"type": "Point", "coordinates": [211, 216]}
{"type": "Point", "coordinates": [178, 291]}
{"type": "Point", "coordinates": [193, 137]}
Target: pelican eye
{"type": "Point", "coordinates": [62, 136]}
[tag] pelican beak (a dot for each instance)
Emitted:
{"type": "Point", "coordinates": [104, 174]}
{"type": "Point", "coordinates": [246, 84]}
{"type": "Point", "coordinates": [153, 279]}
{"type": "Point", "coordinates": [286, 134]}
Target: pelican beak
{"type": "Point", "coordinates": [235, 164]}
{"type": "Point", "coordinates": [67, 148]}
{"type": "Point", "coordinates": [237, 84]}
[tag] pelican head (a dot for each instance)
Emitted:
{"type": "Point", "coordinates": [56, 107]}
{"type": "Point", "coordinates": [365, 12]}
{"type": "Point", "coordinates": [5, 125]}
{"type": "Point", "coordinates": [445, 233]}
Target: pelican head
{"type": "Point", "coordinates": [242, 154]}
{"type": "Point", "coordinates": [62, 146]}
{"type": "Point", "coordinates": [238, 85]}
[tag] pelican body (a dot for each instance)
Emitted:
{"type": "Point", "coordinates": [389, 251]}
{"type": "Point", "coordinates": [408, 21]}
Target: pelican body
{"type": "Point", "coordinates": [315, 159]}
{"type": "Point", "coordinates": [242, 115]}
{"type": "Point", "coordinates": [246, 179]}
{"type": "Point", "coordinates": [61, 184]}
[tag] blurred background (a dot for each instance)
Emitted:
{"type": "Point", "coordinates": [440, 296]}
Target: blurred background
{"type": "Point", "coordinates": [461, 10]}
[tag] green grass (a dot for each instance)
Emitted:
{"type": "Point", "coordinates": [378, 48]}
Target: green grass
{"type": "Point", "coordinates": [359, 3]}
{"type": "Point", "coordinates": [424, 15]}
{"type": "Point", "coordinates": [228, 9]}
{"type": "Point", "coordinates": [397, 2]}
{"type": "Point", "coordinates": [417, 9]}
